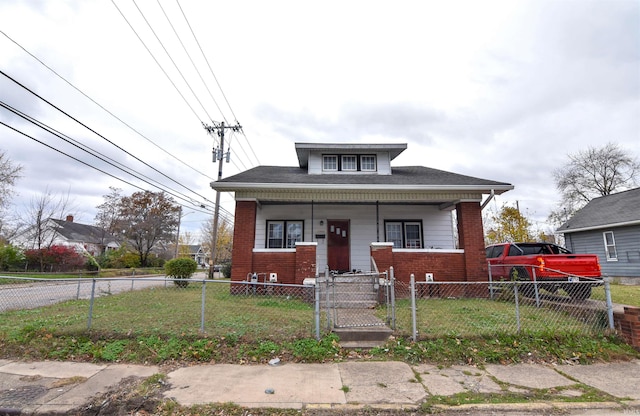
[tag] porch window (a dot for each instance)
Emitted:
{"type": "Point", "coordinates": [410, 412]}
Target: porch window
{"type": "Point", "coordinates": [284, 234]}
{"type": "Point", "coordinates": [350, 163]}
{"type": "Point", "coordinates": [330, 162]}
{"type": "Point", "coordinates": [368, 163]}
{"type": "Point", "coordinates": [404, 234]}
{"type": "Point", "coordinates": [610, 246]}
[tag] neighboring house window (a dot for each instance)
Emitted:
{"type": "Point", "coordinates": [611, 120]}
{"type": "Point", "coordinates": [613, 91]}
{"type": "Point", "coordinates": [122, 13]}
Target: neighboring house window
{"type": "Point", "coordinates": [610, 246]}
{"type": "Point", "coordinates": [368, 163]}
{"type": "Point", "coordinates": [330, 163]}
{"type": "Point", "coordinates": [350, 163]}
{"type": "Point", "coordinates": [283, 234]}
{"type": "Point", "coordinates": [404, 234]}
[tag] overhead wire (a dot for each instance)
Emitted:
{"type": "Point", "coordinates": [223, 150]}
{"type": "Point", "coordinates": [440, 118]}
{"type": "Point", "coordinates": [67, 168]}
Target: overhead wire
{"type": "Point", "coordinates": [101, 136]}
{"type": "Point", "coordinates": [103, 108]}
{"type": "Point", "coordinates": [215, 78]}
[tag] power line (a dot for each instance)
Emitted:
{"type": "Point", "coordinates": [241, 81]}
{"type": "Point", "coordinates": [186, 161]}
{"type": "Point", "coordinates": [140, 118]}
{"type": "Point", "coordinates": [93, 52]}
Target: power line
{"type": "Point", "coordinates": [103, 108]}
{"type": "Point", "coordinates": [99, 135]}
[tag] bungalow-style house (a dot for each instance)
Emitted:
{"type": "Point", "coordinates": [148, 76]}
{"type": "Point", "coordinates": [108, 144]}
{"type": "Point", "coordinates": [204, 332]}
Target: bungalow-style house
{"type": "Point", "coordinates": [345, 208]}
{"type": "Point", "coordinates": [608, 226]}
{"type": "Point", "coordinates": [84, 238]}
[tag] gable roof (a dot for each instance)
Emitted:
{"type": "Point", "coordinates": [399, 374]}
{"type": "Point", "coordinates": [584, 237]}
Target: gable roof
{"type": "Point", "coordinates": [404, 177]}
{"type": "Point", "coordinates": [73, 231]}
{"type": "Point", "coordinates": [613, 210]}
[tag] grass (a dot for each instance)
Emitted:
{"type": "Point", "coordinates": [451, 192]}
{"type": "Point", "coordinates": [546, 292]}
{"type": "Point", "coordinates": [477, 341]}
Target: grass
{"type": "Point", "coordinates": [163, 324]}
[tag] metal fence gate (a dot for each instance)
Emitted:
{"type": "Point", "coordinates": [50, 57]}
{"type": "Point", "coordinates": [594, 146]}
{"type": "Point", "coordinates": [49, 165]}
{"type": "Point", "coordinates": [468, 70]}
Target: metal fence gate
{"type": "Point", "coordinates": [355, 300]}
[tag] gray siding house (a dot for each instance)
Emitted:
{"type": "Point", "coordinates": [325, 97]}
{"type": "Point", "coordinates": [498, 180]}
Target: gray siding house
{"type": "Point", "coordinates": [608, 226]}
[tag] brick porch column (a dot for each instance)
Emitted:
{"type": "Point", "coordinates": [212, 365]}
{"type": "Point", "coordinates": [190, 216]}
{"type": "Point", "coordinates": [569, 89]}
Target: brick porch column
{"type": "Point", "coordinates": [305, 261]}
{"type": "Point", "coordinates": [471, 236]}
{"type": "Point", "coordinates": [244, 235]}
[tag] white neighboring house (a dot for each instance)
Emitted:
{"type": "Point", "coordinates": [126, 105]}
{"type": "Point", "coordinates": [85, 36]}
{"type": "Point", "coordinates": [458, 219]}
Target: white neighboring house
{"type": "Point", "coordinates": [84, 238]}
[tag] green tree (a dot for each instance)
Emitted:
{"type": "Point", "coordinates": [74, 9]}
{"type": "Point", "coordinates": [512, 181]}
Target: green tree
{"type": "Point", "coordinates": [592, 173]}
{"type": "Point", "coordinates": [10, 257]}
{"type": "Point", "coordinates": [508, 224]}
{"type": "Point", "coordinates": [146, 220]}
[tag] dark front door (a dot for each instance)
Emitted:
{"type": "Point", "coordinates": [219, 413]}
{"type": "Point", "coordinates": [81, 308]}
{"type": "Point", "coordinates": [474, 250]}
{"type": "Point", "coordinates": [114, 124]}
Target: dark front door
{"type": "Point", "coordinates": [338, 245]}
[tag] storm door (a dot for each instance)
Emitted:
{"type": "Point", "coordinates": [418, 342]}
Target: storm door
{"type": "Point", "coordinates": [338, 248]}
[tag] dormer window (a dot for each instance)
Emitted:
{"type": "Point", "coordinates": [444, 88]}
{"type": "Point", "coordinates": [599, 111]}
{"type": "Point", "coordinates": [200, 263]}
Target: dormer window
{"type": "Point", "coordinates": [349, 163]}
{"type": "Point", "coordinates": [330, 163]}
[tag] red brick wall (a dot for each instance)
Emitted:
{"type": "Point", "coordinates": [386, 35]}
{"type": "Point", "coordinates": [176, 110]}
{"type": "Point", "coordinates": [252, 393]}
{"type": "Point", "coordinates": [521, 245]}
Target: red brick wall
{"type": "Point", "coordinates": [628, 325]}
{"type": "Point", "coordinates": [383, 256]}
{"type": "Point", "coordinates": [283, 263]}
{"type": "Point", "coordinates": [244, 235]}
{"type": "Point", "coordinates": [471, 236]}
{"type": "Point", "coordinates": [305, 262]}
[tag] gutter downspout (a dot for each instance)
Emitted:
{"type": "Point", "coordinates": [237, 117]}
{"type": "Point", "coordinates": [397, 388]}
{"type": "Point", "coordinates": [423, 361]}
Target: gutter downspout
{"type": "Point", "coordinates": [489, 198]}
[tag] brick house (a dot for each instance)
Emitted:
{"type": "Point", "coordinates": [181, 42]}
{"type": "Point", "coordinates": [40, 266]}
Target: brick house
{"type": "Point", "coordinates": [346, 208]}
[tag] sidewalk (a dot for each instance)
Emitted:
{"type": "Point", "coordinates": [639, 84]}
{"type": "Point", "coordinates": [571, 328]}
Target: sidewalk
{"type": "Point", "coordinates": [61, 387]}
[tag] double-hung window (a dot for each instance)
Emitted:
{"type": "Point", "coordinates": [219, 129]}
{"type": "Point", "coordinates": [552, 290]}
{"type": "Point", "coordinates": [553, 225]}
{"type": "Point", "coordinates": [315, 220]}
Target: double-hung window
{"type": "Point", "coordinates": [284, 234]}
{"type": "Point", "coordinates": [350, 162]}
{"type": "Point", "coordinates": [404, 234]}
{"type": "Point", "coordinates": [610, 246]}
{"type": "Point", "coordinates": [368, 163]}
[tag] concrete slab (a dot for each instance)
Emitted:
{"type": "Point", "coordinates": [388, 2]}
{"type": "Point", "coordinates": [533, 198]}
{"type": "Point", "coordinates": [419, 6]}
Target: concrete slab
{"type": "Point", "coordinates": [292, 385]}
{"type": "Point", "coordinates": [529, 375]}
{"type": "Point", "coordinates": [100, 383]}
{"type": "Point", "coordinates": [447, 381]}
{"type": "Point", "coordinates": [53, 369]}
{"type": "Point", "coordinates": [381, 382]}
{"type": "Point", "coordinates": [621, 380]}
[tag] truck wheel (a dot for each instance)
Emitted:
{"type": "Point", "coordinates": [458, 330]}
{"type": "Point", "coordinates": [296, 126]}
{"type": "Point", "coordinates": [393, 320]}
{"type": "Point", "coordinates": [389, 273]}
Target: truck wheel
{"type": "Point", "coordinates": [522, 275]}
{"type": "Point", "coordinates": [578, 291]}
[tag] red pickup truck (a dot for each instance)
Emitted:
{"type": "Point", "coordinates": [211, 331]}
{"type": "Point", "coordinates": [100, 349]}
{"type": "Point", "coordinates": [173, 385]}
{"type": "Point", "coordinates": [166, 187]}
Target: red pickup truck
{"type": "Point", "coordinates": [553, 266]}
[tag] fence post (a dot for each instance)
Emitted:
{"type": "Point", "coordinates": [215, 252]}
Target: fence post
{"type": "Point", "coordinates": [392, 282]}
{"type": "Point", "coordinates": [535, 286]}
{"type": "Point", "coordinates": [490, 281]}
{"type": "Point", "coordinates": [607, 292]}
{"type": "Point", "coordinates": [78, 290]}
{"type": "Point", "coordinates": [414, 331]}
{"type": "Point", "coordinates": [204, 295]}
{"type": "Point", "coordinates": [326, 278]}
{"type": "Point", "coordinates": [316, 311]}
{"type": "Point", "coordinates": [515, 295]}
{"type": "Point", "coordinates": [93, 291]}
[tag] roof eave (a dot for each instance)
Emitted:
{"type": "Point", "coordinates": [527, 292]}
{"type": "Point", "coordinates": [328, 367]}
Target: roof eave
{"type": "Point", "coordinates": [599, 227]}
{"type": "Point", "coordinates": [230, 187]}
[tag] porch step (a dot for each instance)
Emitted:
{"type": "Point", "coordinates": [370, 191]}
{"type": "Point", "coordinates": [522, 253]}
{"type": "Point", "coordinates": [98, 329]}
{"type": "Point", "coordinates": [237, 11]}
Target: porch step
{"type": "Point", "coordinates": [363, 337]}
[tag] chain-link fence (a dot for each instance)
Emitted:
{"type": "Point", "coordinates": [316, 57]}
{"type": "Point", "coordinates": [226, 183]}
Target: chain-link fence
{"type": "Point", "coordinates": [263, 310]}
{"type": "Point", "coordinates": [157, 305]}
{"type": "Point", "coordinates": [427, 309]}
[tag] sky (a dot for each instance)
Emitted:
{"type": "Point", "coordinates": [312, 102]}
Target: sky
{"type": "Point", "coordinates": [500, 90]}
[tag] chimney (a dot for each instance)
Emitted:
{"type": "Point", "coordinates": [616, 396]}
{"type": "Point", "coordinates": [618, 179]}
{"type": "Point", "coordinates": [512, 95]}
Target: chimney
{"type": "Point", "coordinates": [69, 218]}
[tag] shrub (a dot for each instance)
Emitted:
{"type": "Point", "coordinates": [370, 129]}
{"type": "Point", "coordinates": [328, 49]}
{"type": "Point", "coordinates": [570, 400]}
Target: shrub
{"type": "Point", "coordinates": [11, 257]}
{"type": "Point", "coordinates": [180, 269]}
{"type": "Point", "coordinates": [225, 271]}
{"type": "Point", "coordinates": [55, 259]}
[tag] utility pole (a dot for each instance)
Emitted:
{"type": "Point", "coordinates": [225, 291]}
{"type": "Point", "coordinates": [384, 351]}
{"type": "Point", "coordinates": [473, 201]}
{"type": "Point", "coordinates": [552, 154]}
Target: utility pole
{"type": "Point", "coordinates": [219, 155]}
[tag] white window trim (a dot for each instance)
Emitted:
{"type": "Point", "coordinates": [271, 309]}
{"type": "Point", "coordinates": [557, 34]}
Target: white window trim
{"type": "Point", "coordinates": [355, 168]}
{"type": "Point", "coordinates": [324, 158]}
{"type": "Point", "coordinates": [375, 163]}
{"type": "Point", "coordinates": [606, 246]}
{"type": "Point", "coordinates": [403, 227]}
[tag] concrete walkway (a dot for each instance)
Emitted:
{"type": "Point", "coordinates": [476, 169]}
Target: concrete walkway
{"type": "Point", "coordinates": [60, 387]}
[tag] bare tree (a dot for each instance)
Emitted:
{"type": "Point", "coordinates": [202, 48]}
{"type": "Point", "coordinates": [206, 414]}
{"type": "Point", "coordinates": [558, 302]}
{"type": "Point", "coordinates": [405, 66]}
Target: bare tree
{"type": "Point", "coordinates": [9, 174]}
{"type": "Point", "coordinates": [225, 240]}
{"type": "Point", "coordinates": [593, 173]}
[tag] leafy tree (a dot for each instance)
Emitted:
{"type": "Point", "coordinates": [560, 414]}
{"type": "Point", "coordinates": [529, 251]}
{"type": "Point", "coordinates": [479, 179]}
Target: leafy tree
{"type": "Point", "coordinates": [147, 220]}
{"type": "Point", "coordinates": [590, 174]}
{"type": "Point", "coordinates": [10, 257]}
{"type": "Point", "coordinates": [224, 244]}
{"type": "Point", "coordinates": [508, 224]}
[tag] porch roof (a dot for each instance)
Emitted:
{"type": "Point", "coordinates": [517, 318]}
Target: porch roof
{"type": "Point", "coordinates": [409, 184]}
